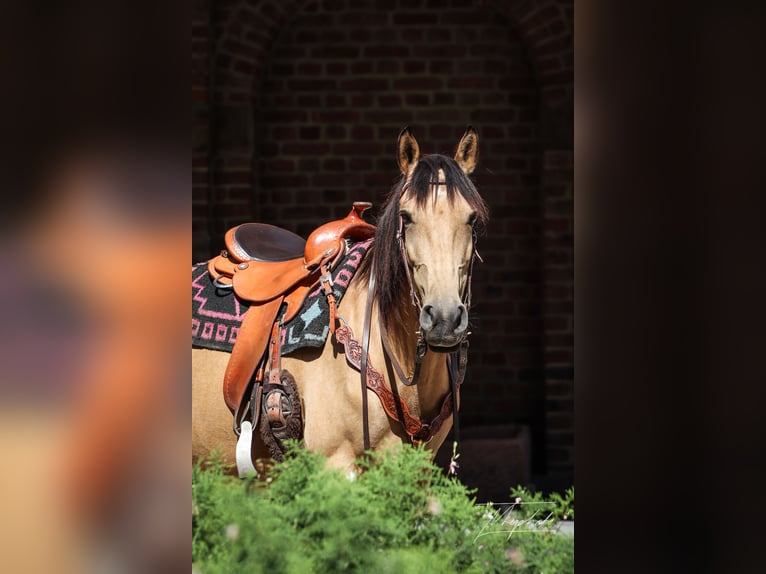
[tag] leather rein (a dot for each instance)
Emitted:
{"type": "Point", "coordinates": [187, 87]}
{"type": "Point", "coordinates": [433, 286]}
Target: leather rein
{"type": "Point", "coordinates": [418, 431]}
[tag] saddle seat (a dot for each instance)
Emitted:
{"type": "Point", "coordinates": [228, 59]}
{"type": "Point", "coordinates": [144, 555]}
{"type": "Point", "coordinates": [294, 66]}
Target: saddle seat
{"type": "Point", "coordinates": [271, 267]}
{"type": "Point", "coordinates": [264, 242]}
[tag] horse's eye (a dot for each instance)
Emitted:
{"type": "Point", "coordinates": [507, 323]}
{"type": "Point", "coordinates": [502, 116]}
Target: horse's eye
{"type": "Point", "coordinates": [406, 218]}
{"type": "Point", "coordinates": [472, 219]}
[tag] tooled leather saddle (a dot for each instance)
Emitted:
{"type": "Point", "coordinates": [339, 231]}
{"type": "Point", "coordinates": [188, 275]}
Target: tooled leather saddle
{"type": "Point", "coordinates": [274, 269]}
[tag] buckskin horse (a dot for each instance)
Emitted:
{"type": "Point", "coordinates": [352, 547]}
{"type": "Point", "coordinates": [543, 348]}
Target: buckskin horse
{"type": "Point", "coordinates": [390, 370]}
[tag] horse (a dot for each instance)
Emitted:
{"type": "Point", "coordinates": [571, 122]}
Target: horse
{"type": "Point", "coordinates": [416, 276]}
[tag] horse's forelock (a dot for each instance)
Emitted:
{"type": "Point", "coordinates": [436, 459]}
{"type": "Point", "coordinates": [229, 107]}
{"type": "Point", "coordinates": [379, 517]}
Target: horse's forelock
{"type": "Point", "coordinates": [456, 180]}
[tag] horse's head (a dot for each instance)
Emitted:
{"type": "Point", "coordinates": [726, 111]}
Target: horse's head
{"type": "Point", "coordinates": [438, 209]}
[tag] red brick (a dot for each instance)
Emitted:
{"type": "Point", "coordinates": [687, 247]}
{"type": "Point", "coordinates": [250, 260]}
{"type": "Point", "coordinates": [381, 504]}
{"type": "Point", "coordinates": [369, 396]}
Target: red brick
{"type": "Point", "coordinates": [440, 66]}
{"type": "Point", "coordinates": [334, 164]}
{"type": "Point", "coordinates": [309, 132]}
{"type": "Point", "coordinates": [336, 68]}
{"type": "Point", "coordinates": [386, 51]}
{"type": "Point", "coordinates": [280, 133]}
{"type": "Point", "coordinates": [414, 67]}
{"type": "Point", "coordinates": [333, 36]}
{"type": "Point", "coordinates": [361, 68]}
{"type": "Point", "coordinates": [418, 83]}
{"type": "Point", "coordinates": [356, 148]}
{"type": "Point", "coordinates": [308, 100]}
{"type": "Point", "coordinates": [308, 164]}
{"type": "Point", "coordinates": [334, 100]}
{"type": "Point", "coordinates": [234, 177]}
{"type": "Point", "coordinates": [340, 52]}
{"type": "Point", "coordinates": [472, 83]}
{"type": "Point", "coordinates": [310, 85]}
{"type": "Point", "coordinates": [362, 133]}
{"type": "Point", "coordinates": [444, 98]}
{"type": "Point", "coordinates": [344, 179]}
{"type": "Point", "coordinates": [288, 115]}
{"type": "Point", "coordinates": [398, 116]}
{"type": "Point", "coordinates": [300, 148]}
{"type": "Point", "coordinates": [307, 36]}
{"type": "Point", "coordinates": [336, 132]}
{"type": "Point", "coordinates": [466, 18]}
{"type": "Point", "coordinates": [387, 66]}
{"type": "Point", "coordinates": [358, 18]}
{"type": "Point", "coordinates": [239, 195]}
{"type": "Point", "coordinates": [415, 18]}
{"type": "Point", "coordinates": [364, 84]}
{"type": "Point", "coordinates": [339, 117]}
{"type": "Point", "coordinates": [443, 51]}
{"type": "Point", "coordinates": [389, 100]}
{"type": "Point", "coordinates": [309, 68]}
{"type": "Point", "coordinates": [361, 100]}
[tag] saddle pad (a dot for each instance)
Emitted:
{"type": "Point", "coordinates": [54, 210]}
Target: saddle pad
{"type": "Point", "coordinates": [218, 313]}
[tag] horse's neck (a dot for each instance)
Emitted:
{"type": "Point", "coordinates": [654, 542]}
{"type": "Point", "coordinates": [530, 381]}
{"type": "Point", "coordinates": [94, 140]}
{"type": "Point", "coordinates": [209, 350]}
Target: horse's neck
{"type": "Point", "coordinates": [427, 396]}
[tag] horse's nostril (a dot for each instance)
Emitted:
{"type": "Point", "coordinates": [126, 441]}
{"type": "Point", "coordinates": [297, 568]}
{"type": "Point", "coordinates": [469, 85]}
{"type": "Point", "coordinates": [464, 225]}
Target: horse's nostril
{"type": "Point", "coordinates": [461, 319]}
{"type": "Point", "coordinates": [427, 317]}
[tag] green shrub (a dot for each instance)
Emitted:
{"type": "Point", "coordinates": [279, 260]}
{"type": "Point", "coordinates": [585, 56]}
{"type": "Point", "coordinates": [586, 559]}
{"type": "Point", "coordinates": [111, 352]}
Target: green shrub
{"type": "Point", "coordinates": [560, 507]}
{"type": "Point", "coordinates": [402, 514]}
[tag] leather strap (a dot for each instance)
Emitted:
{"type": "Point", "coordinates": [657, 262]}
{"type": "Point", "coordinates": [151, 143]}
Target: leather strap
{"type": "Point", "coordinates": [326, 281]}
{"type": "Point", "coordinates": [275, 353]}
{"type": "Point", "coordinates": [418, 430]}
{"type": "Point", "coordinates": [419, 354]}
{"type": "Point", "coordinates": [405, 261]}
{"type": "Point", "coordinates": [251, 404]}
{"type": "Point", "coordinates": [250, 347]}
{"type": "Point", "coordinates": [474, 255]}
{"type": "Point", "coordinates": [273, 406]}
{"type": "Point", "coordinates": [364, 365]}
{"type": "Point", "coordinates": [456, 365]}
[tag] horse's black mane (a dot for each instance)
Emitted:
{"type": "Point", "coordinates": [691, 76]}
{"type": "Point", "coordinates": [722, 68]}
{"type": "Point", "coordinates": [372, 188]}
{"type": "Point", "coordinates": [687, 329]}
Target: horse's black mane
{"type": "Point", "coordinates": [392, 291]}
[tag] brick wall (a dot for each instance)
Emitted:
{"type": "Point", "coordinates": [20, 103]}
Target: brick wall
{"type": "Point", "coordinates": [558, 304]}
{"type": "Point", "coordinates": [306, 102]}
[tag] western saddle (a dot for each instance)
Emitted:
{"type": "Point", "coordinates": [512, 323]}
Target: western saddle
{"type": "Point", "coordinates": [274, 269]}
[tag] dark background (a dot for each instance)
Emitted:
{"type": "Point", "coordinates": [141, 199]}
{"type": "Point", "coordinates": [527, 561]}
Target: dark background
{"type": "Point", "coordinates": [297, 107]}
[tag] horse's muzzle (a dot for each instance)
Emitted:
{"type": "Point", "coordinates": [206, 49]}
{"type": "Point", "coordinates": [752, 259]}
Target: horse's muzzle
{"type": "Point", "coordinates": [444, 326]}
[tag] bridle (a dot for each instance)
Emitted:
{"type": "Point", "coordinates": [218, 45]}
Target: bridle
{"type": "Point", "coordinates": [456, 362]}
{"type": "Point", "coordinates": [422, 347]}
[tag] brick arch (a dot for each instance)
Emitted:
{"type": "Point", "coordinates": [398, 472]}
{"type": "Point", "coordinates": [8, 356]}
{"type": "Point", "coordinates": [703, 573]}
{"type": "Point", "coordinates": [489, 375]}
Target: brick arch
{"type": "Point", "coordinates": [244, 32]}
{"type": "Point", "coordinates": [337, 91]}
{"type": "Point", "coordinates": [546, 28]}
{"type": "Point", "coordinates": [249, 28]}
{"type": "Point", "coordinates": [248, 32]}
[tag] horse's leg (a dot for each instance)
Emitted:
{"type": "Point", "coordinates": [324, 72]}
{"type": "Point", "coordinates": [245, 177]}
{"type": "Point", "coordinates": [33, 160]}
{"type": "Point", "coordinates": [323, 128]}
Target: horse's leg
{"type": "Point", "coordinates": [327, 408]}
{"type": "Point", "coordinates": [211, 418]}
{"type": "Point", "coordinates": [332, 407]}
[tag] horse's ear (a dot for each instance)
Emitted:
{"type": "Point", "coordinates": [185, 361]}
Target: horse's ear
{"type": "Point", "coordinates": [468, 150]}
{"type": "Point", "coordinates": [407, 151]}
